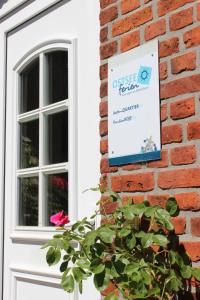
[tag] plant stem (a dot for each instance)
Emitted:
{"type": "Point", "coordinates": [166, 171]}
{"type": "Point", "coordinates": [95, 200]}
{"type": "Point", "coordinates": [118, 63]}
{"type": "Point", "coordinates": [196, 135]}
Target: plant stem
{"type": "Point", "coordinates": [163, 291]}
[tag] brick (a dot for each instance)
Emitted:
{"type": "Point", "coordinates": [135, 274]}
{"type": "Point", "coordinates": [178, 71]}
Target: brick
{"type": "Point", "coordinates": [181, 19]}
{"type": "Point", "coordinates": [140, 182]}
{"type": "Point", "coordinates": [103, 109]}
{"type": "Point", "coordinates": [155, 29]}
{"type": "Point", "coordinates": [191, 38]}
{"type": "Point", "coordinates": [104, 90]}
{"type": "Point", "coordinates": [104, 34]}
{"type": "Point", "coordinates": [134, 20]}
{"type": "Point", "coordinates": [103, 146]}
{"type": "Point", "coordinates": [160, 200]}
{"type": "Point", "coordinates": [108, 49]}
{"type": "Point", "coordinates": [129, 5]}
{"type": "Point", "coordinates": [180, 86]}
{"type": "Point", "coordinates": [103, 71]}
{"type": "Point", "coordinates": [111, 288]}
{"type": "Point", "coordinates": [103, 182]}
{"type": "Point", "coordinates": [193, 130]}
{"type": "Point", "coordinates": [192, 249]}
{"type": "Point", "coordinates": [179, 224]}
{"type": "Point", "coordinates": [107, 205]}
{"type": "Point", "coordinates": [182, 108]}
{"type": "Point", "coordinates": [103, 127]}
{"type": "Point", "coordinates": [198, 11]}
{"type": "Point", "coordinates": [168, 47]}
{"type": "Point", "coordinates": [130, 41]}
{"type": "Point", "coordinates": [105, 3]}
{"type": "Point", "coordinates": [163, 112]}
{"type": "Point", "coordinates": [195, 226]}
{"type": "Point", "coordinates": [131, 167]}
{"type": "Point", "coordinates": [183, 155]}
{"type": "Point", "coordinates": [162, 163]}
{"type": "Point", "coordinates": [180, 178]}
{"type": "Point", "coordinates": [133, 199]}
{"type": "Point", "coordinates": [188, 201]}
{"type": "Point", "coordinates": [108, 15]}
{"type": "Point", "coordinates": [186, 62]}
{"type": "Point", "coordinates": [163, 70]}
{"type": "Point", "coordinates": [105, 168]}
{"type": "Point", "coordinates": [171, 134]}
{"type": "Point", "coordinates": [165, 6]}
{"type": "Point", "coordinates": [109, 221]}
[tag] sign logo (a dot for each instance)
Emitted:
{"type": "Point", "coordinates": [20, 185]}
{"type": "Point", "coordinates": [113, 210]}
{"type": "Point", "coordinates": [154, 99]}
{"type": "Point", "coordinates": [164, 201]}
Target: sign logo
{"type": "Point", "coordinates": [134, 82]}
{"type": "Point", "coordinates": [144, 75]}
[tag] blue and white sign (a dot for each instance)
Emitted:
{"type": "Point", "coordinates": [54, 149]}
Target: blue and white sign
{"type": "Point", "coordinates": [134, 106]}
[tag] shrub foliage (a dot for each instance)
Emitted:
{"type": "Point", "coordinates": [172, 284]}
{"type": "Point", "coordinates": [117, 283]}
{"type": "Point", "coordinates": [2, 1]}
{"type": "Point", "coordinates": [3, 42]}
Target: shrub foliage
{"type": "Point", "coordinates": [135, 249]}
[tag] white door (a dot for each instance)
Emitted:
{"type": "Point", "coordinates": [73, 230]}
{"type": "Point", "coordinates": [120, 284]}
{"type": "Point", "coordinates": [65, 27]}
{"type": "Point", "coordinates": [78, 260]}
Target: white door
{"type": "Point", "coordinates": [51, 148]}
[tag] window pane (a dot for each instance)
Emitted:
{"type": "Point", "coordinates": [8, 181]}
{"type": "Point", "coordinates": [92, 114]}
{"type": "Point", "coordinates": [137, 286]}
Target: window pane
{"type": "Point", "coordinates": [57, 194]}
{"type": "Point", "coordinates": [28, 201]}
{"type": "Point", "coordinates": [29, 141]}
{"type": "Point", "coordinates": [30, 87]}
{"type": "Point", "coordinates": [57, 138]}
{"type": "Point", "coordinates": [57, 74]}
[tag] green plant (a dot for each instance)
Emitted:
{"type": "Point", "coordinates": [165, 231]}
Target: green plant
{"type": "Point", "coordinates": [135, 249]}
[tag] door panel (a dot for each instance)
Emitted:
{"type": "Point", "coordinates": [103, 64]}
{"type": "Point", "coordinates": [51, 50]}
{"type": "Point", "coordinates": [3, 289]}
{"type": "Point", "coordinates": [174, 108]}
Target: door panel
{"type": "Point", "coordinates": [76, 24]}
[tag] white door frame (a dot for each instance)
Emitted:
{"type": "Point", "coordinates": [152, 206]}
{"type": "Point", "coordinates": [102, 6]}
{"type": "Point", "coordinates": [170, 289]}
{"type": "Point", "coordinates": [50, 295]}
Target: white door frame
{"type": "Point", "coordinates": [12, 16]}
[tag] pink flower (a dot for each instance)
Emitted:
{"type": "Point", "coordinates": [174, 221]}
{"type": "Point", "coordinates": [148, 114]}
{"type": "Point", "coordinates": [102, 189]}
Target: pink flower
{"type": "Point", "coordinates": [59, 219]}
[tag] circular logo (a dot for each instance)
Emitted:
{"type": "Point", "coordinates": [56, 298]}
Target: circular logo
{"type": "Point", "coordinates": [144, 75]}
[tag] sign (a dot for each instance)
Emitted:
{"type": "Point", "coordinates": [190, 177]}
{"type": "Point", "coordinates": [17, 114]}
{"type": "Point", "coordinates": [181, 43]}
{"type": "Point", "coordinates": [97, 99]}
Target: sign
{"type": "Point", "coordinates": [134, 106]}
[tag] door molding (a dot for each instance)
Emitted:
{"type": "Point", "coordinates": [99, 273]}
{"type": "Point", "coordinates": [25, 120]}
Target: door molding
{"type": "Point", "coordinates": [35, 277]}
{"type": "Point", "coordinates": [12, 5]}
{"type": "Point", "coordinates": [42, 234]}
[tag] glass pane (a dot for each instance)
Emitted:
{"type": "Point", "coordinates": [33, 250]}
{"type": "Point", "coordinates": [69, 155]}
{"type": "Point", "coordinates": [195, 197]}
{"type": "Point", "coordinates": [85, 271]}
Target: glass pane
{"type": "Point", "coordinates": [57, 82]}
{"type": "Point", "coordinates": [29, 144]}
{"type": "Point", "coordinates": [28, 201]}
{"type": "Point", "coordinates": [57, 194]}
{"type": "Point", "coordinates": [30, 87]}
{"type": "Point", "coordinates": [57, 138]}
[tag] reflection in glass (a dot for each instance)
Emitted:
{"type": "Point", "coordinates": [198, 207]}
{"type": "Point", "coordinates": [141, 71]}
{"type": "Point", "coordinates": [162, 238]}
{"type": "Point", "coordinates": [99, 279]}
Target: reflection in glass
{"type": "Point", "coordinates": [57, 194]}
{"type": "Point", "coordinates": [57, 138]}
{"type": "Point", "coordinates": [29, 144]}
{"type": "Point", "coordinates": [57, 74]}
{"type": "Point", "coordinates": [30, 87]}
{"type": "Point", "coordinates": [28, 201]}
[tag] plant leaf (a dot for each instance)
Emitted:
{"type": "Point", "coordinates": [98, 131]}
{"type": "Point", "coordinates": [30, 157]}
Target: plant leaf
{"type": "Point", "coordinates": [124, 232]}
{"type": "Point", "coordinates": [101, 281]}
{"type": "Point", "coordinates": [147, 240]}
{"type": "Point", "coordinates": [160, 240]}
{"type": "Point", "coordinates": [186, 272]}
{"type": "Point", "coordinates": [131, 242]}
{"type": "Point", "coordinates": [83, 263]}
{"type": "Point", "coordinates": [97, 266]}
{"type": "Point", "coordinates": [90, 238]}
{"type": "Point", "coordinates": [106, 235]}
{"type": "Point", "coordinates": [172, 207]}
{"type": "Point", "coordinates": [111, 297]}
{"type": "Point", "coordinates": [149, 212]}
{"type": "Point", "coordinates": [78, 273]}
{"type": "Point", "coordinates": [196, 274]}
{"type": "Point", "coordinates": [80, 287]}
{"type": "Point", "coordinates": [64, 266]}
{"type": "Point", "coordinates": [53, 256]}
{"type": "Point", "coordinates": [67, 283]}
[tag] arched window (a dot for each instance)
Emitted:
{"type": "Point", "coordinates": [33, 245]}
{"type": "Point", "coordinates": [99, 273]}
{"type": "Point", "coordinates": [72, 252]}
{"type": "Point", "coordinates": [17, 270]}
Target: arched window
{"type": "Point", "coordinates": [43, 136]}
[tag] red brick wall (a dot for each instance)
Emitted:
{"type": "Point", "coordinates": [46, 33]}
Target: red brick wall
{"type": "Point", "coordinates": [126, 24]}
